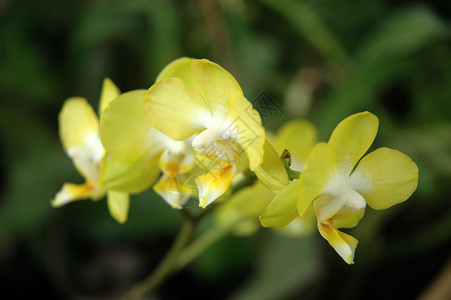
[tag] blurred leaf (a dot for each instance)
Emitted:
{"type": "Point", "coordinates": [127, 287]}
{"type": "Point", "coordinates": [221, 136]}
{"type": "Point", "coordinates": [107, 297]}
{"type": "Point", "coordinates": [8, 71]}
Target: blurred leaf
{"type": "Point", "coordinates": [385, 56]}
{"type": "Point", "coordinates": [307, 22]}
{"type": "Point", "coordinates": [401, 34]}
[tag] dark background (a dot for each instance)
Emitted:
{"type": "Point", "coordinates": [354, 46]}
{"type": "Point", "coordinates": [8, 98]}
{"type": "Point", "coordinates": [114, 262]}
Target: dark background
{"type": "Point", "coordinates": [322, 60]}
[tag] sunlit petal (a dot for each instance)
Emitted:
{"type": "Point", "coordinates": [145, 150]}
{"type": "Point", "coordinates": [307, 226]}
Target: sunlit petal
{"type": "Point", "coordinates": [173, 191]}
{"type": "Point", "coordinates": [212, 185]}
{"type": "Point", "coordinates": [109, 92]}
{"type": "Point", "coordinates": [176, 109]}
{"type": "Point", "coordinates": [343, 243]}
{"type": "Point", "coordinates": [77, 122]}
{"type": "Point", "coordinates": [321, 164]}
{"type": "Point", "coordinates": [118, 205]}
{"type": "Point", "coordinates": [129, 177]}
{"type": "Point", "coordinates": [385, 177]}
{"type": "Point", "coordinates": [282, 209]}
{"type": "Point", "coordinates": [124, 128]}
{"type": "Point", "coordinates": [246, 129]}
{"type": "Point", "coordinates": [299, 137]}
{"type": "Point", "coordinates": [217, 84]}
{"type": "Point", "coordinates": [352, 138]}
{"type": "Point", "coordinates": [72, 192]}
{"type": "Point", "coordinates": [272, 172]}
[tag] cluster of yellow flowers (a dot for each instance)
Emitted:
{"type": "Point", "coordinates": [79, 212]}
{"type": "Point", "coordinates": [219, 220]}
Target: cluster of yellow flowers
{"type": "Point", "coordinates": [195, 127]}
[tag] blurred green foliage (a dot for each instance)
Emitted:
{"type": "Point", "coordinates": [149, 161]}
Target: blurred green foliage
{"type": "Point", "coordinates": [323, 60]}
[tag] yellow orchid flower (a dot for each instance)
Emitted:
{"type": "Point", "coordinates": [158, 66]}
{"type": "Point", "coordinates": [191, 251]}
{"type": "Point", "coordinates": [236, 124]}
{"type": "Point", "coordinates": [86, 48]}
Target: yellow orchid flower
{"type": "Point", "coordinates": [299, 137]}
{"type": "Point", "coordinates": [340, 189]}
{"type": "Point", "coordinates": [137, 152]}
{"type": "Point", "coordinates": [244, 207]}
{"type": "Point", "coordinates": [79, 134]}
{"type": "Point", "coordinates": [198, 97]}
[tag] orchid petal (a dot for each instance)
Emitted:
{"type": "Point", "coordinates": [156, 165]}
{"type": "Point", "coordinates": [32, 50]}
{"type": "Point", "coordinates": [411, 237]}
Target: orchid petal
{"type": "Point", "coordinates": [129, 177]}
{"type": "Point", "coordinates": [282, 209]}
{"type": "Point", "coordinates": [246, 129]}
{"type": "Point", "coordinates": [176, 109]}
{"type": "Point", "coordinates": [212, 185]}
{"type": "Point", "coordinates": [321, 164]}
{"type": "Point", "coordinates": [385, 177]}
{"type": "Point", "coordinates": [352, 138]}
{"type": "Point", "coordinates": [173, 191]}
{"type": "Point", "coordinates": [343, 243]}
{"type": "Point", "coordinates": [77, 122]}
{"type": "Point", "coordinates": [124, 128]}
{"type": "Point", "coordinates": [109, 92]}
{"type": "Point", "coordinates": [71, 192]}
{"type": "Point", "coordinates": [272, 172]}
{"type": "Point", "coordinates": [217, 84]}
{"type": "Point", "coordinates": [118, 205]}
{"type": "Point", "coordinates": [299, 137]}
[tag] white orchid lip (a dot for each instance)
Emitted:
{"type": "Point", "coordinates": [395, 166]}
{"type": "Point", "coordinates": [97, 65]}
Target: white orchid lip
{"type": "Point", "coordinates": [338, 195]}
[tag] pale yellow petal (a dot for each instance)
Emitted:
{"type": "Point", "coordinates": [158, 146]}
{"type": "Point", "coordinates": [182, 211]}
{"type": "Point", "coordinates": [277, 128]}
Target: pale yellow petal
{"type": "Point", "coordinates": [177, 110]}
{"type": "Point", "coordinates": [352, 138]}
{"type": "Point", "coordinates": [173, 191]}
{"type": "Point", "coordinates": [282, 209]}
{"type": "Point", "coordinates": [118, 205]}
{"type": "Point", "coordinates": [77, 122]}
{"type": "Point", "coordinates": [124, 128]}
{"type": "Point", "coordinates": [246, 129]}
{"type": "Point", "coordinates": [272, 172]}
{"type": "Point", "coordinates": [109, 92]}
{"type": "Point", "coordinates": [180, 68]}
{"type": "Point", "coordinates": [129, 177]}
{"type": "Point", "coordinates": [321, 164]}
{"type": "Point", "coordinates": [385, 177]}
{"type": "Point", "coordinates": [217, 84]}
{"type": "Point", "coordinates": [343, 243]}
{"type": "Point", "coordinates": [212, 185]}
{"type": "Point", "coordinates": [299, 137]}
{"type": "Point", "coordinates": [72, 192]}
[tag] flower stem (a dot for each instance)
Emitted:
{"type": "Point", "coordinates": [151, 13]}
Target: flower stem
{"type": "Point", "coordinates": [199, 245]}
{"type": "Point", "coordinates": [166, 266]}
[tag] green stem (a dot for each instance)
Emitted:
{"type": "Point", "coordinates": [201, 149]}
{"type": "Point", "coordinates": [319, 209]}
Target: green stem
{"type": "Point", "coordinates": [199, 245]}
{"type": "Point", "coordinates": [292, 174]}
{"type": "Point", "coordinates": [165, 267]}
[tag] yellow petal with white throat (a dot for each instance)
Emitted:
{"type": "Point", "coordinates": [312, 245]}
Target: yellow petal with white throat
{"type": "Point", "coordinates": [385, 177]}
